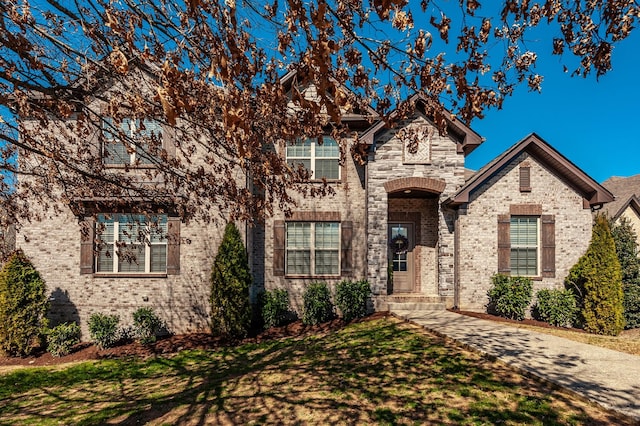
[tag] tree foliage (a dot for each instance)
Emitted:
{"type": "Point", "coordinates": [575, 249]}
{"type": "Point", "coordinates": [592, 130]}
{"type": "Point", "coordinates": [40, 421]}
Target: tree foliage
{"type": "Point", "coordinates": [230, 282]}
{"type": "Point", "coordinates": [23, 305]}
{"type": "Point", "coordinates": [597, 281]}
{"type": "Point", "coordinates": [211, 72]}
{"type": "Point", "coordinates": [625, 239]}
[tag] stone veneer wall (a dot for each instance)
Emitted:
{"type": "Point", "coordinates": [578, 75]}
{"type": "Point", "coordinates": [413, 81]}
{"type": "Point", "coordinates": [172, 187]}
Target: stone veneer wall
{"type": "Point", "coordinates": [385, 164]}
{"type": "Point", "coordinates": [348, 202]}
{"type": "Point", "coordinates": [478, 228]}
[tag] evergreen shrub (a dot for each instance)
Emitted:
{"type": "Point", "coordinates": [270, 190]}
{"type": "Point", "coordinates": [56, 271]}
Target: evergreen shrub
{"type": "Point", "coordinates": [557, 307]}
{"type": "Point", "coordinates": [275, 309]}
{"type": "Point", "coordinates": [103, 330]}
{"type": "Point", "coordinates": [23, 306]}
{"type": "Point", "coordinates": [625, 239]}
{"type": "Point", "coordinates": [146, 325]}
{"type": "Point", "coordinates": [597, 282]}
{"type": "Point", "coordinates": [317, 306]}
{"type": "Point", "coordinates": [62, 337]}
{"type": "Point", "coordinates": [230, 282]}
{"type": "Point", "coordinates": [352, 297]}
{"type": "Point", "coordinates": [510, 296]}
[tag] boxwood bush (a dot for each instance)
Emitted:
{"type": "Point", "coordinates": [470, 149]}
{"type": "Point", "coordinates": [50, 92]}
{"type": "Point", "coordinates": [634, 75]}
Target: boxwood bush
{"type": "Point", "coordinates": [62, 337]}
{"type": "Point", "coordinates": [352, 297]}
{"type": "Point", "coordinates": [274, 308]}
{"type": "Point", "coordinates": [103, 330]}
{"type": "Point", "coordinates": [146, 325]}
{"type": "Point", "coordinates": [317, 306]}
{"type": "Point", "coordinates": [557, 307]}
{"type": "Point", "coordinates": [510, 296]}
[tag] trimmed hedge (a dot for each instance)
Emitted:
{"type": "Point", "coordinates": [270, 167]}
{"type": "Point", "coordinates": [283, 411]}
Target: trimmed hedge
{"type": "Point", "coordinates": [62, 337]}
{"type": "Point", "coordinates": [317, 306]}
{"type": "Point", "coordinates": [146, 325]}
{"type": "Point", "coordinates": [352, 297]}
{"type": "Point", "coordinates": [274, 307]}
{"type": "Point", "coordinates": [103, 330]}
{"type": "Point", "coordinates": [510, 296]}
{"type": "Point", "coordinates": [557, 307]}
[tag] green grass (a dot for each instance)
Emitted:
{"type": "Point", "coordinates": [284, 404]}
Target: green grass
{"type": "Point", "coordinates": [381, 372]}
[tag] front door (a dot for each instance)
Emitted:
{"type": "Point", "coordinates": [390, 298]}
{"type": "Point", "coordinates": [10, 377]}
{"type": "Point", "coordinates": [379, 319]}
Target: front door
{"type": "Point", "coordinates": [401, 244]}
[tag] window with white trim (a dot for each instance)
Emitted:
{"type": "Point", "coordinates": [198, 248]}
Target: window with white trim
{"type": "Point", "coordinates": [321, 159]}
{"type": "Point", "coordinates": [128, 142]}
{"type": "Point", "coordinates": [312, 248]}
{"type": "Point", "coordinates": [525, 238]}
{"type": "Point", "coordinates": [131, 243]}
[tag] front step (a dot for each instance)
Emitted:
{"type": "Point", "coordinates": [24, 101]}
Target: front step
{"type": "Point", "coordinates": [413, 302]}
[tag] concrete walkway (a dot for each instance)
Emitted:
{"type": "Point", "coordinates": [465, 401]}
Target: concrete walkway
{"type": "Point", "coordinates": [609, 378]}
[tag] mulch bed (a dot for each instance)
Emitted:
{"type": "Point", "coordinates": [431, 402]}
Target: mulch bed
{"type": "Point", "coordinates": [175, 343]}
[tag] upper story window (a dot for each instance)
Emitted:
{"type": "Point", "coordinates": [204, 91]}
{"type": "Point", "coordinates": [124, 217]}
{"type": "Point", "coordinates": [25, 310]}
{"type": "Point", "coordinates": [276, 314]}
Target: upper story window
{"type": "Point", "coordinates": [131, 243]}
{"type": "Point", "coordinates": [524, 245]}
{"type": "Point", "coordinates": [321, 159]}
{"type": "Point", "coordinates": [128, 142]}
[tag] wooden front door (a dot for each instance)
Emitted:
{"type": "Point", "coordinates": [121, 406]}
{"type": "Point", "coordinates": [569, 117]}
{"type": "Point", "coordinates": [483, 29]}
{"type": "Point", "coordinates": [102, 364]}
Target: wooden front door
{"type": "Point", "coordinates": [401, 256]}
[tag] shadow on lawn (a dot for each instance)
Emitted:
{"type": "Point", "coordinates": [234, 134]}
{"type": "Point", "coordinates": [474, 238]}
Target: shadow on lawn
{"type": "Point", "coordinates": [372, 372]}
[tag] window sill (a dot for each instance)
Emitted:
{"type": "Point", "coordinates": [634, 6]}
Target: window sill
{"type": "Point", "coordinates": [130, 275]}
{"type": "Point", "coordinates": [312, 277]}
{"type": "Point", "coordinates": [130, 166]}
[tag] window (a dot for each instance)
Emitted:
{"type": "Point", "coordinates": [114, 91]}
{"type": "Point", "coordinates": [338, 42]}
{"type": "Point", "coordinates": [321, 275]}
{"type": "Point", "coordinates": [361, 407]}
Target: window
{"type": "Point", "coordinates": [322, 160]}
{"type": "Point", "coordinates": [312, 248]}
{"type": "Point", "coordinates": [118, 147]}
{"type": "Point", "coordinates": [131, 243]}
{"type": "Point", "coordinates": [524, 245]}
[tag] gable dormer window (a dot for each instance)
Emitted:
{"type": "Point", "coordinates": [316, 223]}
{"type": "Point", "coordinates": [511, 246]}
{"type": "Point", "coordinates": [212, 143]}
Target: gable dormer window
{"type": "Point", "coordinates": [129, 141]}
{"type": "Point", "coordinates": [321, 157]}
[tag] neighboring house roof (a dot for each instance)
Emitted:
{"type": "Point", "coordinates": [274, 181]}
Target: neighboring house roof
{"type": "Point", "coordinates": [626, 191]}
{"type": "Point", "coordinates": [467, 138]}
{"type": "Point", "coordinates": [572, 175]}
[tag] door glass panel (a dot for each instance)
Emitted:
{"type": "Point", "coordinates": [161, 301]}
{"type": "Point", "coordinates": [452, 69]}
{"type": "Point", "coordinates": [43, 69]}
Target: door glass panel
{"type": "Point", "coordinates": [399, 235]}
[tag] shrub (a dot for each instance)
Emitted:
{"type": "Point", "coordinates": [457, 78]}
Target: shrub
{"type": "Point", "coordinates": [230, 282]}
{"type": "Point", "coordinates": [351, 298]}
{"type": "Point", "coordinates": [274, 306]}
{"type": "Point", "coordinates": [62, 337]}
{"type": "Point", "coordinates": [625, 240]}
{"type": "Point", "coordinates": [510, 296]}
{"type": "Point", "coordinates": [23, 306]}
{"type": "Point", "coordinates": [317, 306]}
{"type": "Point", "coordinates": [146, 325]}
{"type": "Point", "coordinates": [103, 330]}
{"type": "Point", "coordinates": [597, 282]}
{"type": "Point", "coordinates": [557, 307]}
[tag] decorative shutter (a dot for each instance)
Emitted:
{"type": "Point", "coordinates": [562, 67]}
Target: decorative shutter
{"type": "Point", "coordinates": [87, 237]}
{"type": "Point", "coordinates": [504, 244]}
{"type": "Point", "coordinates": [548, 246]}
{"type": "Point", "coordinates": [346, 255]}
{"type": "Point", "coordinates": [173, 246]}
{"type": "Point", "coordinates": [278, 248]}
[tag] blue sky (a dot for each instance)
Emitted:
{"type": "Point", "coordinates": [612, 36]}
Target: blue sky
{"type": "Point", "coordinates": [591, 122]}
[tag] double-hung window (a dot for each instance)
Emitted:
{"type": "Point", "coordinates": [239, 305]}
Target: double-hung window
{"type": "Point", "coordinates": [322, 160]}
{"type": "Point", "coordinates": [131, 243]}
{"type": "Point", "coordinates": [312, 248]}
{"type": "Point", "coordinates": [524, 245]}
{"type": "Point", "coordinates": [128, 142]}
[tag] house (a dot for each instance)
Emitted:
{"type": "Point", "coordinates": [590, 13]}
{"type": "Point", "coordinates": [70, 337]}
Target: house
{"type": "Point", "coordinates": [409, 219]}
{"type": "Point", "coordinates": [627, 204]}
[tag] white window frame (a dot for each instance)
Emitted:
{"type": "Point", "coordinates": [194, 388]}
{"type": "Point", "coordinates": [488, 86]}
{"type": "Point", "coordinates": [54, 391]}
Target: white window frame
{"type": "Point", "coordinates": [313, 157]}
{"type": "Point", "coordinates": [312, 249]}
{"type": "Point", "coordinates": [111, 130]}
{"type": "Point", "coordinates": [515, 271]}
{"type": "Point", "coordinates": [147, 241]}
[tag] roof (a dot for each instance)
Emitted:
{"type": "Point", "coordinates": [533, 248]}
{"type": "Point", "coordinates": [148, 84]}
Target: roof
{"type": "Point", "coordinates": [534, 145]}
{"type": "Point", "coordinates": [626, 191]}
{"type": "Point", "coordinates": [467, 138]}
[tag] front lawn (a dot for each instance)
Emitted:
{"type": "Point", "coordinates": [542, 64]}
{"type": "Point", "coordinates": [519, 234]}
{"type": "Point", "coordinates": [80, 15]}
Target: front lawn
{"type": "Point", "coordinates": [382, 371]}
